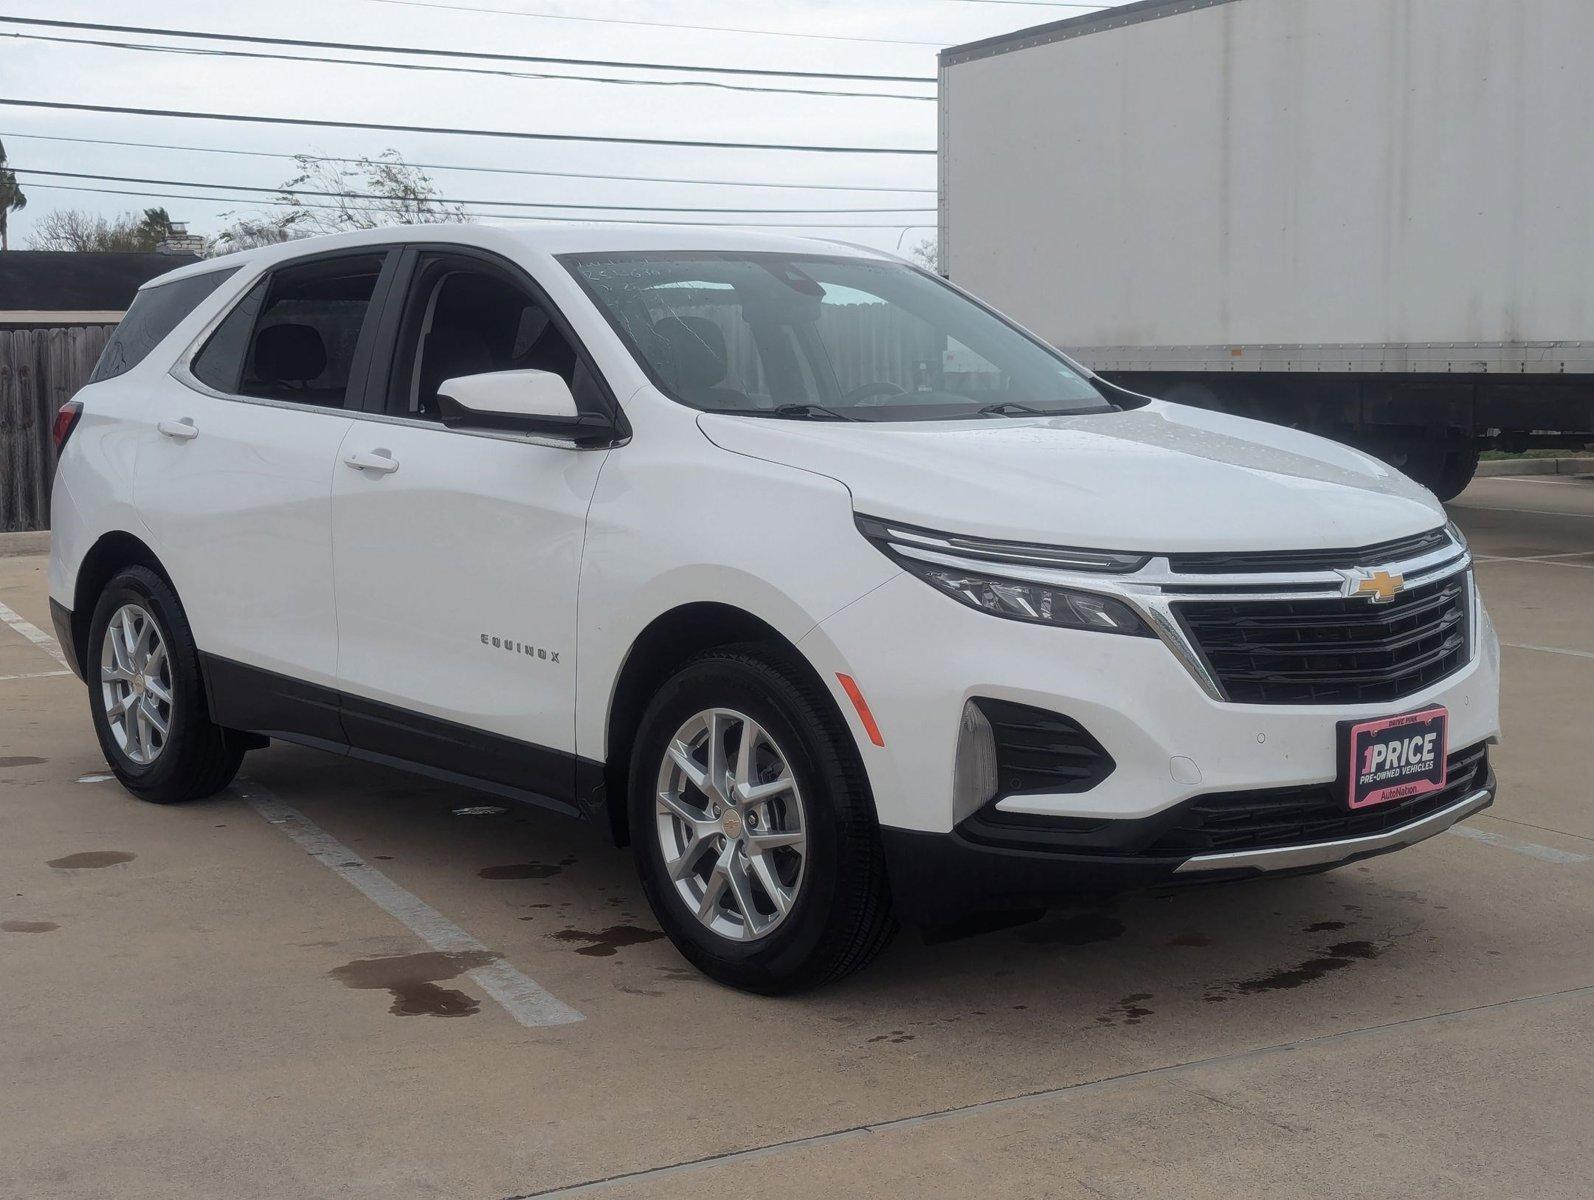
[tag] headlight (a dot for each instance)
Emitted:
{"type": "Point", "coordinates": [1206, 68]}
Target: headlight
{"type": "Point", "coordinates": [1036, 602]}
{"type": "Point", "coordinates": [1016, 599]}
{"type": "Point", "coordinates": [1455, 533]}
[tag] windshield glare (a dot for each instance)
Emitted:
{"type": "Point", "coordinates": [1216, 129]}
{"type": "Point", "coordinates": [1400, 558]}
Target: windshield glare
{"type": "Point", "coordinates": [823, 337]}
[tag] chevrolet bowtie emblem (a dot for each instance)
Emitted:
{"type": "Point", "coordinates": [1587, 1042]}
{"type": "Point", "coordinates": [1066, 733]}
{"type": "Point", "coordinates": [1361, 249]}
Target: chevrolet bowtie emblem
{"type": "Point", "coordinates": [1380, 587]}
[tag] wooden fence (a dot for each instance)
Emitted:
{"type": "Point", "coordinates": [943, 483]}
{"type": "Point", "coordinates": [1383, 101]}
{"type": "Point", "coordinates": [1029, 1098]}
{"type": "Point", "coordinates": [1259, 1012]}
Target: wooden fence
{"type": "Point", "coordinates": [40, 369]}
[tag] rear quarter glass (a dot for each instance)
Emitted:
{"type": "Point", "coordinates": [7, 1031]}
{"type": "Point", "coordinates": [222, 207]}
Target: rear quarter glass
{"type": "Point", "coordinates": [154, 313]}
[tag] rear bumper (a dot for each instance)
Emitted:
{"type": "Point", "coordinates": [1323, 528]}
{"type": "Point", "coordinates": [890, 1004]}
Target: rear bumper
{"type": "Point", "coordinates": [939, 877]}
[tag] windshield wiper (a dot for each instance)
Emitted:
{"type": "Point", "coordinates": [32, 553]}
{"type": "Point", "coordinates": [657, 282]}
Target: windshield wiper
{"type": "Point", "coordinates": [1009, 408]}
{"type": "Point", "coordinates": [805, 412]}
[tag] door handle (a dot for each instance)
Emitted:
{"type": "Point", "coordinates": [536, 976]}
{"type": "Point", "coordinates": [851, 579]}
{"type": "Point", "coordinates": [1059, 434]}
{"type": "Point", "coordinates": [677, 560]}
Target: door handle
{"type": "Point", "coordinates": [379, 462]}
{"type": "Point", "coordinates": [183, 430]}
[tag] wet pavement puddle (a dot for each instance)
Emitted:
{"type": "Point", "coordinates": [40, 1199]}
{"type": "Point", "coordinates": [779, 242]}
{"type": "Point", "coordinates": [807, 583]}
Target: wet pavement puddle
{"type": "Point", "coordinates": [412, 979]}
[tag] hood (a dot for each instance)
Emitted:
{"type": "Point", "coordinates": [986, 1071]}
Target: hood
{"type": "Point", "coordinates": [1155, 479]}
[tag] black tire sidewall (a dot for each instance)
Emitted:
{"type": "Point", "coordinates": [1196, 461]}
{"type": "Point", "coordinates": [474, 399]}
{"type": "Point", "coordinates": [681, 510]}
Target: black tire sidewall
{"type": "Point", "coordinates": [725, 681]}
{"type": "Point", "coordinates": [141, 586]}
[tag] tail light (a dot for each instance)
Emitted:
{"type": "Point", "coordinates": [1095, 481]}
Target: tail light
{"type": "Point", "coordinates": [66, 419]}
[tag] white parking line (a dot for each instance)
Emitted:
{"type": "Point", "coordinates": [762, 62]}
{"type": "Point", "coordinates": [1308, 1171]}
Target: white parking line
{"type": "Point", "coordinates": [1570, 481]}
{"type": "Point", "coordinates": [1536, 512]}
{"type": "Point", "coordinates": [1548, 649]}
{"type": "Point", "coordinates": [1531, 849]}
{"type": "Point", "coordinates": [1542, 560]}
{"type": "Point", "coordinates": [1530, 557]}
{"type": "Point", "coordinates": [523, 998]}
{"type": "Point", "coordinates": [34, 675]}
{"type": "Point", "coordinates": [33, 633]}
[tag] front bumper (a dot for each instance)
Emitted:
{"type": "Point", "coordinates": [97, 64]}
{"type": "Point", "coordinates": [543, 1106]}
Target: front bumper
{"type": "Point", "coordinates": [918, 656]}
{"type": "Point", "coordinates": [937, 878]}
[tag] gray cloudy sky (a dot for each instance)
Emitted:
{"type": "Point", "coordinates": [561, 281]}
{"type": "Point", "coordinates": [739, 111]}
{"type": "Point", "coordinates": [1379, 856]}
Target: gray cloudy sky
{"type": "Point", "coordinates": [894, 37]}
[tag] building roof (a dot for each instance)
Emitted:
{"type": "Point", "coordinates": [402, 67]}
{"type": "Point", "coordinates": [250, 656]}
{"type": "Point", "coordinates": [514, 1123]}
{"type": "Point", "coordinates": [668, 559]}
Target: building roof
{"type": "Point", "coordinates": [66, 281]}
{"type": "Point", "coordinates": [1072, 27]}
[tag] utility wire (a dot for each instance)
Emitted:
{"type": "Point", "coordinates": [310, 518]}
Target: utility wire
{"type": "Point", "coordinates": [548, 16]}
{"type": "Point", "coordinates": [499, 72]}
{"type": "Point", "coordinates": [163, 195]}
{"type": "Point", "coordinates": [487, 55]}
{"type": "Point", "coordinates": [754, 183]}
{"type": "Point", "coordinates": [516, 135]}
{"type": "Point", "coordinates": [298, 191]}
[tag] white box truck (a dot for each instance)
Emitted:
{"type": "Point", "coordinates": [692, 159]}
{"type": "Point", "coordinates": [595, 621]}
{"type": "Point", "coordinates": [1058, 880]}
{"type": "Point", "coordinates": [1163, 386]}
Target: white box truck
{"type": "Point", "coordinates": [1373, 219]}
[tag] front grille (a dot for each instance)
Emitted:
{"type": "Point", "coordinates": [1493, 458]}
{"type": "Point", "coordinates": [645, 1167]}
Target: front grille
{"type": "Point", "coordinates": [1285, 561]}
{"type": "Point", "coordinates": [1226, 821]}
{"type": "Point", "coordinates": [1337, 651]}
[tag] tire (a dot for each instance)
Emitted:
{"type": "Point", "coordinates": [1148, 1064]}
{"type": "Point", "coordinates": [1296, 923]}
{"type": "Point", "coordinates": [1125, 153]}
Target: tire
{"type": "Point", "coordinates": [1444, 469]}
{"type": "Point", "coordinates": [1459, 468]}
{"type": "Point", "coordinates": [838, 913]}
{"type": "Point", "coordinates": [193, 757]}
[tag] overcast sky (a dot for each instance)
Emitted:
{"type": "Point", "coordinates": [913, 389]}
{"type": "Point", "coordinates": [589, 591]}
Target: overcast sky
{"type": "Point", "coordinates": [894, 37]}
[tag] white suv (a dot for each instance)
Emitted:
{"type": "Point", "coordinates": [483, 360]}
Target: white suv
{"type": "Point", "coordinates": [836, 594]}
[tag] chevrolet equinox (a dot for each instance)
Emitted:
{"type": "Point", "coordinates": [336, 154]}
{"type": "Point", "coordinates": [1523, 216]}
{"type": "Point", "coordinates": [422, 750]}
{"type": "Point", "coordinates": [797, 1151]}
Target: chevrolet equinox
{"type": "Point", "coordinates": [837, 595]}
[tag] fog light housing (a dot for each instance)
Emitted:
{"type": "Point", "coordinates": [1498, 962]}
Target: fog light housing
{"type": "Point", "coordinates": [974, 778]}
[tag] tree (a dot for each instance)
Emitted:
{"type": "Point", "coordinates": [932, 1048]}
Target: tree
{"type": "Point", "coordinates": [333, 196]}
{"type": "Point", "coordinates": [90, 233]}
{"type": "Point", "coordinates": [12, 199]}
{"type": "Point", "coordinates": [154, 227]}
{"type": "Point", "coordinates": [248, 233]}
{"type": "Point", "coordinates": [928, 255]}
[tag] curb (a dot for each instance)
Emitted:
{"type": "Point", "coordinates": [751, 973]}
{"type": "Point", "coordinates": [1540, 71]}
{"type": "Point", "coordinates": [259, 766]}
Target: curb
{"type": "Point", "coordinates": [36, 541]}
{"type": "Point", "coordinates": [1536, 466]}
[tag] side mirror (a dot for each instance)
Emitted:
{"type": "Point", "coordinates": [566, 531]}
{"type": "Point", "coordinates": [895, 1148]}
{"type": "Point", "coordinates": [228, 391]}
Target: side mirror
{"type": "Point", "coordinates": [538, 402]}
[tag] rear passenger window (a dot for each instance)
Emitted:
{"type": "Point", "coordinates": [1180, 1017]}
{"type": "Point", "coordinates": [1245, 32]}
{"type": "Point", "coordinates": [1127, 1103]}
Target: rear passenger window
{"type": "Point", "coordinates": [295, 335]}
{"type": "Point", "coordinates": [154, 313]}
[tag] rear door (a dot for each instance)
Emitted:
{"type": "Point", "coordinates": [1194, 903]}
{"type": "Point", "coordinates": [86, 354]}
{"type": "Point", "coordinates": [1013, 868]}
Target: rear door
{"type": "Point", "coordinates": [456, 555]}
{"type": "Point", "coordinates": [235, 480]}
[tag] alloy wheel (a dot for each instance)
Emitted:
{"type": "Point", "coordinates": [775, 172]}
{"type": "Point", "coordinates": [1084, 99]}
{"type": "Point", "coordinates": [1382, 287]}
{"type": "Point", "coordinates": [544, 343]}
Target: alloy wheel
{"type": "Point", "coordinates": [136, 684]}
{"type": "Point", "coordinates": [731, 824]}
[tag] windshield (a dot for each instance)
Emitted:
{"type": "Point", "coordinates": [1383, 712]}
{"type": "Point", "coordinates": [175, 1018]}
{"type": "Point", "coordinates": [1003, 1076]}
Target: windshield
{"type": "Point", "coordinates": [828, 338]}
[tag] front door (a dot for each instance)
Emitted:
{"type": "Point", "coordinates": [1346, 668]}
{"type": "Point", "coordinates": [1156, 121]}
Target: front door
{"type": "Point", "coordinates": [234, 482]}
{"type": "Point", "coordinates": [457, 554]}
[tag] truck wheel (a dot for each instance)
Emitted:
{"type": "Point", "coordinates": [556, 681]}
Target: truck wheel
{"type": "Point", "coordinates": [1457, 472]}
{"type": "Point", "coordinates": [147, 698]}
{"type": "Point", "coordinates": [753, 827]}
{"type": "Point", "coordinates": [1445, 469]}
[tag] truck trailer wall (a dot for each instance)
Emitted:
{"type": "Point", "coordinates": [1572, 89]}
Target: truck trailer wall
{"type": "Point", "coordinates": [1352, 172]}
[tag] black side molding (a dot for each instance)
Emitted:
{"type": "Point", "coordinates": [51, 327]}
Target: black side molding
{"type": "Point", "coordinates": [278, 706]}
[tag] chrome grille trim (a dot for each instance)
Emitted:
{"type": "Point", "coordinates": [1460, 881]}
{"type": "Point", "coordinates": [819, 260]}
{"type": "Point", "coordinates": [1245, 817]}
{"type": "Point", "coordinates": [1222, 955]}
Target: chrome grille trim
{"type": "Point", "coordinates": [1154, 588]}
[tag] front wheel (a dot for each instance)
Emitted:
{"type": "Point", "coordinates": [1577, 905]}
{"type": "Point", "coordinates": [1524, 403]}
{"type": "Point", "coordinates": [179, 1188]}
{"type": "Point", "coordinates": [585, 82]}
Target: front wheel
{"type": "Point", "coordinates": [753, 827]}
{"type": "Point", "coordinates": [147, 697]}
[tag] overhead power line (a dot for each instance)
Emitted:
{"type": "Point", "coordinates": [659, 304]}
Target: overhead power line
{"type": "Point", "coordinates": [298, 191]}
{"type": "Point", "coordinates": [165, 195]}
{"type": "Point", "coordinates": [548, 16]}
{"type": "Point", "coordinates": [496, 72]}
{"type": "Point", "coordinates": [484, 55]}
{"type": "Point", "coordinates": [512, 134]}
{"type": "Point", "coordinates": [752, 183]}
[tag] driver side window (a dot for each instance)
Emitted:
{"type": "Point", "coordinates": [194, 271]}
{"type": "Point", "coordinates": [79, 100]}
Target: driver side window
{"type": "Point", "coordinates": [465, 317]}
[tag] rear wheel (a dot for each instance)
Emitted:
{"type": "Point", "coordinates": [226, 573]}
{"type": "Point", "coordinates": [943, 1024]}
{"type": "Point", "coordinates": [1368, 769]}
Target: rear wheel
{"type": "Point", "coordinates": [147, 697]}
{"type": "Point", "coordinates": [753, 827]}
